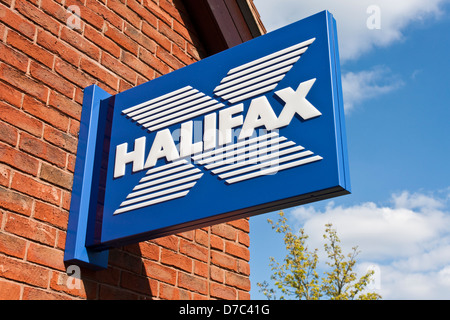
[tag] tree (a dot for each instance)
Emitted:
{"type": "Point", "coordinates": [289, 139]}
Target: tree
{"type": "Point", "coordinates": [297, 277]}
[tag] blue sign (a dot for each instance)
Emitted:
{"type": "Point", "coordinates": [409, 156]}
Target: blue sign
{"type": "Point", "coordinates": [253, 129]}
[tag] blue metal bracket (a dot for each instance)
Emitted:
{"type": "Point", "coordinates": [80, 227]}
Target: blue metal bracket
{"type": "Point", "coordinates": [85, 184]}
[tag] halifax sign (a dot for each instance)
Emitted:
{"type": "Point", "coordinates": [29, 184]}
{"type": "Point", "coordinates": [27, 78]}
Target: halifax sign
{"type": "Point", "coordinates": [254, 129]}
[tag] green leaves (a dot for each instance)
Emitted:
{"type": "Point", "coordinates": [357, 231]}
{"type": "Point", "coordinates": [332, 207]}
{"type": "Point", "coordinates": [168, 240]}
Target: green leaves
{"type": "Point", "coordinates": [297, 276]}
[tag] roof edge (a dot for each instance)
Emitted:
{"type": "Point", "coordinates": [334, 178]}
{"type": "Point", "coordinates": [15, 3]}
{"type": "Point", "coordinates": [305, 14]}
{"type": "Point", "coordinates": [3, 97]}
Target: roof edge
{"type": "Point", "coordinates": [222, 24]}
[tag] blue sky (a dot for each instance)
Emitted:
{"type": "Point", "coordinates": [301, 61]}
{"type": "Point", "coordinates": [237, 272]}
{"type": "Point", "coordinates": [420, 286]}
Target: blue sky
{"type": "Point", "coordinates": [396, 84]}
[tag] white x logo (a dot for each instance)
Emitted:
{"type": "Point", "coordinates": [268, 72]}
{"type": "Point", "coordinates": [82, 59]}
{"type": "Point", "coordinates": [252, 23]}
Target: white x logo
{"type": "Point", "coordinates": [296, 103]}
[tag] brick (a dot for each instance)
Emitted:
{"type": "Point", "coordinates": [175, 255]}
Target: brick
{"type": "Point", "coordinates": [136, 283]}
{"type": "Point", "coordinates": [74, 127]}
{"type": "Point", "coordinates": [167, 292]}
{"type": "Point", "coordinates": [51, 79]}
{"type": "Point", "coordinates": [36, 189]}
{"type": "Point", "coordinates": [243, 295]}
{"type": "Point", "coordinates": [59, 281]}
{"type": "Point", "coordinates": [119, 68]}
{"type": "Point", "coordinates": [7, 2]}
{"type": "Point", "coordinates": [243, 267]}
{"type": "Point", "coordinates": [55, 10]}
{"type": "Point", "coordinates": [30, 229]}
{"type": "Point", "coordinates": [217, 274]}
{"type": "Point", "coordinates": [15, 202]}
{"type": "Point", "coordinates": [124, 12]}
{"type": "Point", "coordinates": [169, 242]}
{"type": "Point", "coordinates": [18, 160]}
{"type": "Point", "coordinates": [46, 114]}
{"type": "Point", "coordinates": [61, 239]}
{"type": "Point", "coordinates": [13, 58]}
{"type": "Point", "coordinates": [20, 119]}
{"type": "Point", "coordinates": [5, 176]}
{"type": "Point", "coordinates": [42, 150]}
{"type": "Point", "coordinates": [9, 290]}
{"type": "Point", "coordinates": [141, 11]}
{"type": "Point", "coordinates": [124, 260]}
{"type": "Point", "coordinates": [201, 237]}
{"type": "Point", "coordinates": [71, 159]}
{"type": "Point", "coordinates": [193, 250]}
{"type": "Point", "coordinates": [153, 62]}
{"type": "Point", "coordinates": [65, 105]}
{"type": "Point", "coordinates": [180, 28]}
{"type": "Point", "coordinates": [80, 43]}
{"type": "Point", "coordinates": [172, 9]}
{"type": "Point", "coordinates": [140, 38]}
{"type": "Point", "coordinates": [109, 277]}
{"type": "Point", "coordinates": [104, 13]}
{"type": "Point", "coordinates": [99, 72]}
{"type": "Point", "coordinates": [192, 283]}
{"type": "Point", "coordinates": [182, 56]}
{"type": "Point", "coordinates": [217, 242]}
{"type": "Point", "coordinates": [140, 80]}
{"type": "Point", "coordinates": [149, 251]}
{"type": "Point", "coordinates": [176, 260]}
{"type": "Point", "coordinates": [201, 269]}
{"type": "Point", "coordinates": [19, 80]}
{"type": "Point", "coordinates": [189, 235]}
{"type": "Point", "coordinates": [66, 200]}
{"type": "Point", "coordinates": [158, 12]}
{"type": "Point", "coordinates": [46, 256]}
{"type": "Point", "coordinates": [89, 16]}
{"type": "Point", "coordinates": [244, 238]}
{"type": "Point", "coordinates": [222, 260]}
{"type": "Point", "coordinates": [123, 85]}
{"type": "Point", "coordinates": [168, 59]}
{"type": "Point", "coordinates": [10, 95]}
{"type": "Point", "coordinates": [30, 293]}
{"type": "Point", "coordinates": [153, 34]}
{"type": "Point", "coordinates": [159, 272]}
{"type": "Point", "coordinates": [121, 39]}
{"type": "Point", "coordinates": [12, 245]}
{"type": "Point", "coordinates": [102, 41]}
{"type": "Point", "coordinates": [36, 15]}
{"type": "Point", "coordinates": [78, 96]}
{"type": "Point", "coordinates": [235, 280]}
{"type": "Point", "coordinates": [29, 48]}
{"type": "Point", "coordinates": [241, 224]}
{"type": "Point", "coordinates": [56, 46]}
{"type": "Point", "coordinates": [167, 31]}
{"type": "Point", "coordinates": [224, 231]}
{"type": "Point", "coordinates": [73, 74]}
{"type": "Point", "coordinates": [197, 296]}
{"type": "Point", "coordinates": [8, 134]}
{"type": "Point", "coordinates": [16, 22]}
{"type": "Point", "coordinates": [111, 293]}
{"type": "Point", "coordinates": [196, 52]}
{"type": "Point", "coordinates": [50, 214]}
{"type": "Point", "coordinates": [222, 292]}
{"type": "Point", "coordinates": [61, 139]}
{"type": "Point", "coordinates": [24, 272]}
{"type": "Point", "coordinates": [237, 251]}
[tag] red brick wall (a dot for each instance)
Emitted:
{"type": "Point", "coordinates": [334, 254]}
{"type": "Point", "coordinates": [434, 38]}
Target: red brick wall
{"type": "Point", "coordinates": [44, 65]}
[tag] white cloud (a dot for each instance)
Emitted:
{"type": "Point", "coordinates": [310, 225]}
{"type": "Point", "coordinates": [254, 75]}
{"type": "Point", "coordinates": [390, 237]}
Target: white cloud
{"type": "Point", "coordinates": [409, 241]}
{"type": "Point", "coordinates": [352, 16]}
{"type": "Point", "coordinates": [367, 84]}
